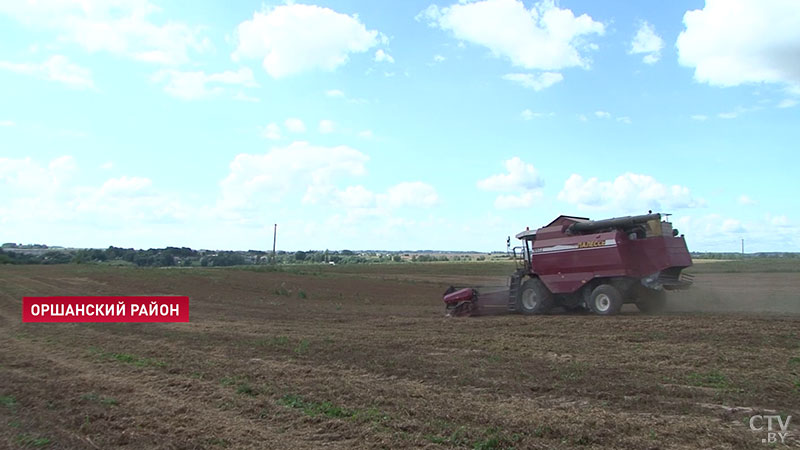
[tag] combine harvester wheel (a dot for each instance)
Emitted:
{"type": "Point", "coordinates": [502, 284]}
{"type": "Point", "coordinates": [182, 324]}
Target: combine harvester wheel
{"type": "Point", "coordinates": [605, 300]}
{"type": "Point", "coordinates": [534, 298]}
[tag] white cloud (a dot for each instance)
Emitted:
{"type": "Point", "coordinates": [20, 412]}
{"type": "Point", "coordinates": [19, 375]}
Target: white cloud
{"type": "Point", "coordinates": [738, 111]}
{"type": "Point", "coordinates": [355, 197]}
{"type": "Point", "coordinates": [627, 192]}
{"type": "Point", "coordinates": [527, 114]}
{"type": "Point", "coordinates": [652, 58]}
{"type": "Point", "coordinates": [647, 42]}
{"type": "Point", "coordinates": [295, 125]}
{"type": "Point", "coordinates": [30, 177]}
{"type": "Point", "coordinates": [746, 200]}
{"type": "Point", "coordinates": [605, 115]}
{"type": "Point", "coordinates": [787, 103]}
{"type": "Point", "coordinates": [56, 68]}
{"type": "Point", "coordinates": [535, 82]}
{"type": "Point", "coordinates": [268, 177]}
{"type": "Point", "coordinates": [125, 186]}
{"type": "Point", "coordinates": [732, 42]}
{"type": "Point", "coordinates": [271, 131]}
{"type": "Point", "coordinates": [297, 38]}
{"type": "Point", "coordinates": [49, 194]}
{"type": "Point", "coordinates": [326, 126]}
{"type": "Point", "coordinates": [311, 174]}
{"type": "Point", "coordinates": [198, 85]}
{"type": "Point", "coordinates": [438, 58]}
{"type": "Point", "coordinates": [699, 117]}
{"type": "Point", "coordinates": [431, 15]}
{"type": "Point", "coordinates": [7, 123]}
{"type": "Point", "coordinates": [121, 27]}
{"type": "Point", "coordinates": [132, 199]}
{"type": "Point", "coordinates": [732, 226]}
{"type": "Point", "coordinates": [381, 56]}
{"type": "Point", "coordinates": [714, 232]}
{"type": "Point", "coordinates": [33, 193]}
{"type": "Point", "coordinates": [544, 37]}
{"type": "Point", "coordinates": [413, 193]}
{"type": "Point", "coordinates": [520, 176]}
{"type": "Point", "coordinates": [779, 221]}
{"type": "Point", "coordinates": [339, 94]}
{"type": "Point", "coordinates": [108, 165]}
{"type": "Point", "coordinates": [521, 179]}
{"type": "Point", "coordinates": [366, 134]}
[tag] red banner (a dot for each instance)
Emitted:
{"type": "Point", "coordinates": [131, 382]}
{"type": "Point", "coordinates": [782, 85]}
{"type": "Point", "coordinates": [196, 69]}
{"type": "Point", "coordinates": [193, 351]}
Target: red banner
{"type": "Point", "coordinates": [106, 309]}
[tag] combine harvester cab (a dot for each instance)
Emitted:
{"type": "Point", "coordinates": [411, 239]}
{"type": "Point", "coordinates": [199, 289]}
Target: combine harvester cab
{"type": "Point", "coordinates": [581, 264]}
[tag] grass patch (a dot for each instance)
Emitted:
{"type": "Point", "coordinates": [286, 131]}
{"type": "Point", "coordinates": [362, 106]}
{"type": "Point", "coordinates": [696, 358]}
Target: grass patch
{"type": "Point", "coordinates": [301, 294]}
{"type": "Point", "coordinates": [712, 379]}
{"type": "Point", "coordinates": [487, 444]}
{"type": "Point", "coordinates": [128, 358]}
{"type": "Point", "coordinates": [456, 437]}
{"type": "Point", "coordinates": [544, 431]}
{"type": "Point", "coordinates": [218, 442]}
{"type": "Point", "coordinates": [246, 389]}
{"type": "Point", "coordinates": [242, 384]}
{"type": "Point", "coordinates": [137, 361]}
{"type": "Point", "coordinates": [231, 381]}
{"type": "Point", "coordinates": [302, 347]}
{"type": "Point", "coordinates": [491, 438]}
{"type": "Point", "coordinates": [311, 408]}
{"type": "Point", "coordinates": [8, 401]}
{"type": "Point", "coordinates": [33, 441]}
{"type": "Point", "coordinates": [276, 341]}
{"type": "Point", "coordinates": [573, 371]}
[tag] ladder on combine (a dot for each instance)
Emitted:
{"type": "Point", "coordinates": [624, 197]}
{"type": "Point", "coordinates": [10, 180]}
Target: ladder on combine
{"type": "Point", "coordinates": [513, 291]}
{"type": "Point", "coordinates": [522, 261]}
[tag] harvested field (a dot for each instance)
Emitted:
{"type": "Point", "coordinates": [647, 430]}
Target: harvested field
{"type": "Point", "coordinates": [361, 357]}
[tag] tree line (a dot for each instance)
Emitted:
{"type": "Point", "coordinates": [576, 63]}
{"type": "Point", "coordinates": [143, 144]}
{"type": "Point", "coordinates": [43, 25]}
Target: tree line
{"type": "Point", "coordinates": [187, 257]}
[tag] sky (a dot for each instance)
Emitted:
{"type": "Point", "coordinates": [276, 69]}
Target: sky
{"type": "Point", "coordinates": [395, 125]}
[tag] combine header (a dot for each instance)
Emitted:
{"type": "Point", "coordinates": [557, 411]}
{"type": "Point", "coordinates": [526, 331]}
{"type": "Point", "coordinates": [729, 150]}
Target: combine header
{"type": "Point", "coordinates": [581, 264]}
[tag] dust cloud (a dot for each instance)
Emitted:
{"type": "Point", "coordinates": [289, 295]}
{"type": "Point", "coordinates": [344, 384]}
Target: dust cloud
{"type": "Point", "coordinates": [775, 293]}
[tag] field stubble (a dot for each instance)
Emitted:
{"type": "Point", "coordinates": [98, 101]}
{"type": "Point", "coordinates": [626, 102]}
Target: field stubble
{"type": "Point", "coordinates": [361, 356]}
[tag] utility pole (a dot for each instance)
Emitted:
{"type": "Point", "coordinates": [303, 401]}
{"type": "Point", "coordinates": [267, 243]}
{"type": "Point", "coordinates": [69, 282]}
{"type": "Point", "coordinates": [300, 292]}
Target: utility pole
{"type": "Point", "coordinates": [742, 246]}
{"type": "Point", "coordinates": [274, 239]}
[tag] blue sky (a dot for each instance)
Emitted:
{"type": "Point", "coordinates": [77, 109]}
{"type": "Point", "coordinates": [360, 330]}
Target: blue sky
{"type": "Point", "coordinates": [395, 125]}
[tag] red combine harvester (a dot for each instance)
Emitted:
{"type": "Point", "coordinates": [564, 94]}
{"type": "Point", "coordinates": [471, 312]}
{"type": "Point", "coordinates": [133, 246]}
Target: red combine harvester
{"type": "Point", "coordinates": [581, 264]}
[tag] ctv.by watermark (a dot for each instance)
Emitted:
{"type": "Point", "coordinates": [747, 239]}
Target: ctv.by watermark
{"type": "Point", "coordinates": [775, 427]}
